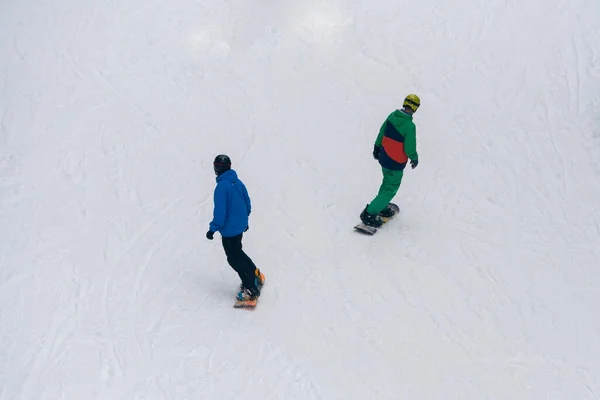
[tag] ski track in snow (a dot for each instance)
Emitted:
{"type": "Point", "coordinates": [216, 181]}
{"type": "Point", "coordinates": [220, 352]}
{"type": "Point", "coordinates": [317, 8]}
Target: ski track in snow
{"type": "Point", "coordinates": [484, 286]}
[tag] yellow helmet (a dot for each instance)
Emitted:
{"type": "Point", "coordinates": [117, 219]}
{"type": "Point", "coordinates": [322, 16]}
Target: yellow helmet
{"type": "Point", "coordinates": [412, 101]}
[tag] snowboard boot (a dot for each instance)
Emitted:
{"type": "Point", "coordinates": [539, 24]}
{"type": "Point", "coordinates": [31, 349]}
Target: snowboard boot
{"type": "Point", "coordinates": [248, 294]}
{"type": "Point", "coordinates": [387, 212]}
{"type": "Point", "coordinates": [259, 280]}
{"type": "Point", "coordinates": [370, 219]}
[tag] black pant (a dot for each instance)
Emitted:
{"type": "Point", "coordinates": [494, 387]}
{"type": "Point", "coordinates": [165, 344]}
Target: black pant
{"type": "Point", "coordinates": [239, 261]}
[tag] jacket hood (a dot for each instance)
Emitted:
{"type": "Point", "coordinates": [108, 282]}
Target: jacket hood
{"type": "Point", "coordinates": [402, 114]}
{"type": "Point", "coordinates": [229, 175]}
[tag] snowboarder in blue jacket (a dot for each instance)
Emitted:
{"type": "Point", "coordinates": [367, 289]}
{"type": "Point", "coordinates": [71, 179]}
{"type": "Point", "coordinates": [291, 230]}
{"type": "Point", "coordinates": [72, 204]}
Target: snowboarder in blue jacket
{"type": "Point", "coordinates": [230, 217]}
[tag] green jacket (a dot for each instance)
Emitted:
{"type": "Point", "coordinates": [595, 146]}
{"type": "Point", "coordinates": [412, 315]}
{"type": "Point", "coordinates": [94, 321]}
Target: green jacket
{"type": "Point", "coordinates": [398, 140]}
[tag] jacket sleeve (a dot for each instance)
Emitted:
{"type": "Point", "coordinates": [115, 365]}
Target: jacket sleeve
{"type": "Point", "coordinates": [247, 201]}
{"type": "Point", "coordinates": [379, 139]}
{"type": "Point", "coordinates": [410, 143]}
{"type": "Point", "coordinates": [220, 210]}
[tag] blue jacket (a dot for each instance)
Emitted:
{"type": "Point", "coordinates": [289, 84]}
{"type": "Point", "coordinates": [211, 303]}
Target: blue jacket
{"type": "Point", "coordinates": [232, 205]}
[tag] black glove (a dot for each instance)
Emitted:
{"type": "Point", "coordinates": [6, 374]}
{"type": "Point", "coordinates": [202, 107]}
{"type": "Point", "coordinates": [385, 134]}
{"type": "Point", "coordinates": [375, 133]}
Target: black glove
{"type": "Point", "coordinates": [376, 151]}
{"type": "Point", "coordinates": [414, 163]}
{"type": "Point", "coordinates": [210, 235]}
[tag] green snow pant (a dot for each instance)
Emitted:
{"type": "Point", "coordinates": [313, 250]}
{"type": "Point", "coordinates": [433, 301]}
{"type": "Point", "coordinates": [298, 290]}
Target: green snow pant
{"type": "Point", "coordinates": [387, 190]}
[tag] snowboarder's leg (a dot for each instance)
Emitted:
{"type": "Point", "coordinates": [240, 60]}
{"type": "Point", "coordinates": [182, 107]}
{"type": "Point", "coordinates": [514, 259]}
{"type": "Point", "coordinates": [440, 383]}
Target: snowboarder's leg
{"type": "Point", "coordinates": [259, 276]}
{"type": "Point", "coordinates": [246, 257]}
{"type": "Point", "coordinates": [238, 260]}
{"type": "Point", "coordinates": [388, 189]}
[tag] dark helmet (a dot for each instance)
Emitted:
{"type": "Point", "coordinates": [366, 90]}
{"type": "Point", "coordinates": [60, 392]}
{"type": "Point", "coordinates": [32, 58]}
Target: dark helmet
{"type": "Point", "coordinates": [221, 164]}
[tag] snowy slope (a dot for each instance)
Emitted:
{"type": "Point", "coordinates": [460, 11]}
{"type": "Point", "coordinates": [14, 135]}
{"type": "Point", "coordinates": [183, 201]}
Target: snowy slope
{"type": "Point", "coordinates": [485, 286]}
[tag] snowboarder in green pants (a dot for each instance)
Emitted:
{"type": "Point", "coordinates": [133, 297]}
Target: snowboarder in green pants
{"type": "Point", "coordinates": [394, 146]}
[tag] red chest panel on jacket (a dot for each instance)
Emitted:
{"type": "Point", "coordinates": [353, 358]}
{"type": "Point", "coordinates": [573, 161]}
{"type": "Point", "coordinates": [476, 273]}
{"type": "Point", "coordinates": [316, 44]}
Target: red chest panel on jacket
{"type": "Point", "coordinates": [394, 149]}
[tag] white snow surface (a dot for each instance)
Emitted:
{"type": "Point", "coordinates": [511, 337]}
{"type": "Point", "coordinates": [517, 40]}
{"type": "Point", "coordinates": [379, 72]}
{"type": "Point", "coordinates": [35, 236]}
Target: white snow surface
{"type": "Point", "coordinates": [486, 286]}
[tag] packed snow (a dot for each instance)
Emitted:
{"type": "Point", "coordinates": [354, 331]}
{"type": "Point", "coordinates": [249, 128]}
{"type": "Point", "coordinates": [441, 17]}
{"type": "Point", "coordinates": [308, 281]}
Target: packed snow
{"type": "Point", "coordinates": [485, 286]}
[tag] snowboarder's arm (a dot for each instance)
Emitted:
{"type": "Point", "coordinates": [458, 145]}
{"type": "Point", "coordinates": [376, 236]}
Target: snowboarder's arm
{"type": "Point", "coordinates": [247, 201]}
{"type": "Point", "coordinates": [220, 210]}
{"type": "Point", "coordinates": [379, 139]}
{"type": "Point", "coordinates": [410, 144]}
